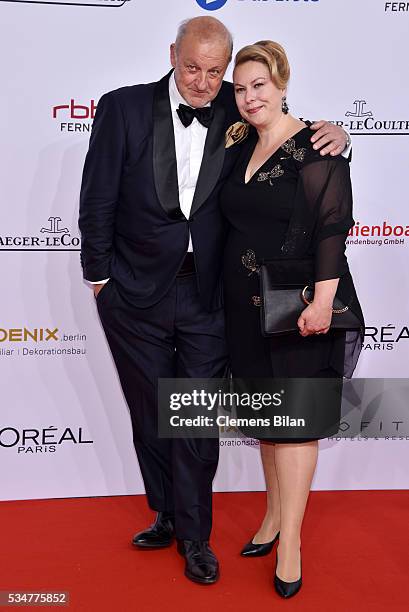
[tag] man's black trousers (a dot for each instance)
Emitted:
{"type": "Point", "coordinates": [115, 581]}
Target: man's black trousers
{"type": "Point", "coordinates": [174, 338]}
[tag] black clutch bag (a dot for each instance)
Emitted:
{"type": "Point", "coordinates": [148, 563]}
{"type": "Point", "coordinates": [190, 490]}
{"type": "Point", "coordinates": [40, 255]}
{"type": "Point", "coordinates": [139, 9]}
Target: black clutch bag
{"type": "Point", "coordinates": [287, 287]}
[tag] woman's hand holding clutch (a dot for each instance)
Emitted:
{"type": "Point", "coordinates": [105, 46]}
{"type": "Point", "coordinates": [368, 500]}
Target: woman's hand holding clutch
{"type": "Point", "coordinates": [315, 319]}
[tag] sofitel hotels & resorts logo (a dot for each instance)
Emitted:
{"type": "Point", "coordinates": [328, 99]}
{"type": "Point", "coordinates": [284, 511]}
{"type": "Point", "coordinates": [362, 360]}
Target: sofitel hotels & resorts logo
{"type": "Point", "coordinates": [54, 236]}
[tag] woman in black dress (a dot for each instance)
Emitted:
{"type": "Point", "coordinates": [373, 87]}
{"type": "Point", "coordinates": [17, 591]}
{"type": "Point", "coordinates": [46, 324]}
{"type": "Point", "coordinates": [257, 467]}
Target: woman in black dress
{"type": "Point", "coordinates": [284, 199]}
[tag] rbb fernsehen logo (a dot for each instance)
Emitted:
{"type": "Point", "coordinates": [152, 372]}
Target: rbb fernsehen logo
{"type": "Point", "coordinates": [211, 5]}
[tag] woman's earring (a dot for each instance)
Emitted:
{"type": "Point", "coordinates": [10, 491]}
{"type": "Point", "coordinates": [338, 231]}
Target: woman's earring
{"type": "Point", "coordinates": [284, 105]}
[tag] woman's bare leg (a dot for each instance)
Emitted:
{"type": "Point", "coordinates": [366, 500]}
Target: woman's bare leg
{"type": "Point", "coordinates": [295, 465]}
{"type": "Point", "coordinates": [271, 522]}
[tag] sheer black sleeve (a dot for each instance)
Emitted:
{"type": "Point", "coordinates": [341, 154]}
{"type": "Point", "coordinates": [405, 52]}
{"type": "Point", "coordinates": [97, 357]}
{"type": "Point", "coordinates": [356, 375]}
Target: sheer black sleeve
{"type": "Point", "coordinates": [328, 197]}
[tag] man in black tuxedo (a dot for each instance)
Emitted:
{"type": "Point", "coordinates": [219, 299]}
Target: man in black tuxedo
{"type": "Point", "coordinates": [152, 242]}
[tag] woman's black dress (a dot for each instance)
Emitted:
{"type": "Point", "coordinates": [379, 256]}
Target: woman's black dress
{"type": "Point", "coordinates": [298, 203]}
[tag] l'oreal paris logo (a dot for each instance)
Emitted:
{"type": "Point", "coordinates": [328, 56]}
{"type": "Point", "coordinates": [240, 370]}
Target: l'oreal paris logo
{"type": "Point", "coordinates": [41, 440]}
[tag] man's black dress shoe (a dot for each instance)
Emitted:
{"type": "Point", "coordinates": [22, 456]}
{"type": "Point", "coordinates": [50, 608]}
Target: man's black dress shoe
{"type": "Point", "coordinates": [258, 550]}
{"type": "Point", "coordinates": [287, 589]}
{"type": "Point", "coordinates": [201, 563]}
{"type": "Point", "coordinates": [158, 535]}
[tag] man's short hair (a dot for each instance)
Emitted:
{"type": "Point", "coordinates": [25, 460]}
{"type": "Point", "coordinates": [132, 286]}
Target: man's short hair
{"type": "Point", "coordinates": [205, 28]}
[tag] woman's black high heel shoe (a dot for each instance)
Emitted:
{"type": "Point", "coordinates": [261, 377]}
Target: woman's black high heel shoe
{"type": "Point", "coordinates": [258, 550]}
{"type": "Point", "coordinates": [286, 589]}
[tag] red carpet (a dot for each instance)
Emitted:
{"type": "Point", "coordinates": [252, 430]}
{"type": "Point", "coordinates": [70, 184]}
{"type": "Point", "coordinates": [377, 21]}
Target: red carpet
{"type": "Point", "coordinates": [355, 555]}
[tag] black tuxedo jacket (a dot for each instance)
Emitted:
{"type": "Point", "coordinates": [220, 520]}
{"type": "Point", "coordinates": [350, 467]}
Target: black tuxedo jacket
{"type": "Point", "coordinates": [131, 224]}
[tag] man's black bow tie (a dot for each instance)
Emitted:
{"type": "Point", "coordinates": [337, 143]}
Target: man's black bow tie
{"type": "Point", "coordinates": [187, 114]}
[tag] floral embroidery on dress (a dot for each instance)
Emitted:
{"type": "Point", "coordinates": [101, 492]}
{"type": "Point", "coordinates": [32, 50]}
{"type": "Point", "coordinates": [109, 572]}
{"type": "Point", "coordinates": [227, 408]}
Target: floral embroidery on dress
{"type": "Point", "coordinates": [248, 259]}
{"type": "Point", "coordinates": [290, 148]}
{"type": "Point", "coordinates": [276, 172]}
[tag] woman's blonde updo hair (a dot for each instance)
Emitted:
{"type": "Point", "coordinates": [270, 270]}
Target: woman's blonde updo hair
{"type": "Point", "coordinates": [272, 55]}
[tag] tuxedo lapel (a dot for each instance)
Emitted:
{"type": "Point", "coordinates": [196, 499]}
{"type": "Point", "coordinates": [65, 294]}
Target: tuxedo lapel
{"type": "Point", "coordinates": [213, 158]}
{"type": "Point", "coordinates": [164, 153]}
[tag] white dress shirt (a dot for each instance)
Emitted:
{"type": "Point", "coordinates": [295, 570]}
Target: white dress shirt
{"type": "Point", "coordinates": [189, 146]}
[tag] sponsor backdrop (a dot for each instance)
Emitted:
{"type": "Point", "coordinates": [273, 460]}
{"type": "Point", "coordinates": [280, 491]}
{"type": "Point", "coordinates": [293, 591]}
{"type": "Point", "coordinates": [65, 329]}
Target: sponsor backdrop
{"type": "Point", "coordinates": [64, 428]}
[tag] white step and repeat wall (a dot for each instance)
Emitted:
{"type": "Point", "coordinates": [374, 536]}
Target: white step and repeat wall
{"type": "Point", "coordinates": [64, 426]}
